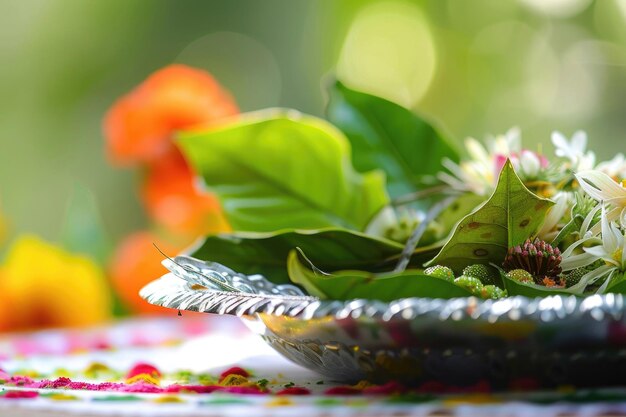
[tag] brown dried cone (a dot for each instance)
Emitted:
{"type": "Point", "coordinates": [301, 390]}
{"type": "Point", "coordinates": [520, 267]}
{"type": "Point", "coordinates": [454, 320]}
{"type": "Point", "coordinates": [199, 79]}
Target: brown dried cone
{"type": "Point", "coordinates": [539, 258]}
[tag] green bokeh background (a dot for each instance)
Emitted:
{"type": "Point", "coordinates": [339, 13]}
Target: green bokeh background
{"type": "Point", "coordinates": [541, 64]}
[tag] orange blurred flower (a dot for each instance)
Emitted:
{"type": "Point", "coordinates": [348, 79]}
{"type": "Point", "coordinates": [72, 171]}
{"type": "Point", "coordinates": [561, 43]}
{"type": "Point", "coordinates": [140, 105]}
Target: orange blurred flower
{"type": "Point", "coordinates": [139, 129]}
{"type": "Point", "coordinates": [140, 125]}
{"type": "Point", "coordinates": [45, 286]}
{"type": "Point", "coordinates": [137, 262]}
{"type": "Point", "coordinates": [171, 199]}
{"type": "Point", "coordinates": [5, 306]}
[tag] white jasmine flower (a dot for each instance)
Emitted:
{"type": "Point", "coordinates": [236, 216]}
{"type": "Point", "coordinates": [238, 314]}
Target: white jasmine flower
{"type": "Point", "coordinates": [530, 164]}
{"type": "Point", "coordinates": [611, 249]}
{"type": "Point", "coordinates": [480, 173]}
{"type": "Point", "coordinates": [614, 168]}
{"type": "Point", "coordinates": [398, 224]}
{"type": "Point", "coordinates": [563, 201]}
{"type": "Point", "coordinates": [575, 150]}
{"type": "Point", "coordinates": [506, 144]}
{"type": "Point", "coordinates": [603, 188]}
{"type": "Point", "coordinates": [474, 176]}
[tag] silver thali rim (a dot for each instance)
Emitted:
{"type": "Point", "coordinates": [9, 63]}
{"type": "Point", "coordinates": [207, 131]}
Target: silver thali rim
{"type": "Point", "coordinates": [170, 291]}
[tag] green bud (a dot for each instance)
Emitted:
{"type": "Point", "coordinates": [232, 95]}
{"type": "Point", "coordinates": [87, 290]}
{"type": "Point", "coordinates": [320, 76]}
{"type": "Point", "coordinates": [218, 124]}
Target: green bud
{"type": "Point", "coordinates": [486, 274]}
{"type": "Point", "coordinates": [573, 277]}
{"type": "Point", "coordinates": [440, 271]}
{"type": "Point", "coordinates": [470, 283]}
{"type": "Point", "coordinates": [493, 292]}
{"type": "Point", "coordinates": [520, 275]}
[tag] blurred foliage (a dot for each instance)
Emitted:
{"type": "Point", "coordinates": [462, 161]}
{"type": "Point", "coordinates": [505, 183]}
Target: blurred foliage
{"type": "Point", "coordinates": [481, 66]}
{"type": "Point", "coordinates": [473, 67]}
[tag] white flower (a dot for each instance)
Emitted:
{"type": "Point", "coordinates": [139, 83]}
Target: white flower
{"type": "Point", "coordinates": [479, 174]}
{"type": "Point", "coordinates": [575, 150]}
{"type": "Point", "coordinates": [611, 249]}
{"type": "Point", "coordinates": [528, 163]}
{"type": "Point", "coordinates": [614, 168]}
{"type": "Point", "coordinates": [603, 188]}
{"type": "Point", "coordinates": [398, 224]}
{"type": "Point", "coordinates": [474, 176]}
{"type": "Point", "coordinates": [563, 201]}
{"type": "Point", "coordinates": [506, 144]}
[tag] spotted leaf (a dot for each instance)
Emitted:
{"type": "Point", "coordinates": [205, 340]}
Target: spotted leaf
{"type": "Point", "coordinates": [510, 216]}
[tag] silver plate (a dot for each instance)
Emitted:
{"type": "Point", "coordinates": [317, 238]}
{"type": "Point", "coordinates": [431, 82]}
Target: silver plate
{"type": "Point", "coordinates": [516, 341]}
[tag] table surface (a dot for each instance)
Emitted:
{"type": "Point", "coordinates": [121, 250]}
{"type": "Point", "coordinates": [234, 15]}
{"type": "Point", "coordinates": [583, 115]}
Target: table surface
{"type": "Point", "coordinates": [46, 373]}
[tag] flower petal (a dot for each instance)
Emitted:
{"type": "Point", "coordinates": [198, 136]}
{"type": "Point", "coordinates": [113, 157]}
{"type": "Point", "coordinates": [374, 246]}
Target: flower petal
{"type": "Point", "coordinates": [556, 213]}
{"type": "Point", "coordinates": [476, 150]}
{"type": "Point", "coordinates": [579, 261]}
{"type": "Point", "coordinates": [579, 141]}
{"type": "Point", "coordinates": [560, 143]}
{"type": "Point", "coordinates": [623, 265]}
{"type": "Point", "coordinates": [513, 138]}
{"type": "Point", "coordinates": [570, 249]}
{"type": "Point", "coordinates": [611, 215]}
{"type": "Point", "coordinates": [609, 240]}
{"type": "Point", "coordinates": [590, 278]}
{"type": "Point", "coordinates": [597, 251]}
{"type": "Point", "coordinates": [585, 226]}
{"type": "Point", "coordinates": [605, 284]}
{"type": "Point", "coordinates": [599, 185]}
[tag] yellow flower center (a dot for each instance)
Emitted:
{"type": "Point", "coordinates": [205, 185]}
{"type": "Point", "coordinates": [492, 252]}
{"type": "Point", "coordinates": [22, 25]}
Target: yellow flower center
{"type": "Point", "coordinates": [617, 256]}
{"type": "Point", "coordinates": [623, 182]}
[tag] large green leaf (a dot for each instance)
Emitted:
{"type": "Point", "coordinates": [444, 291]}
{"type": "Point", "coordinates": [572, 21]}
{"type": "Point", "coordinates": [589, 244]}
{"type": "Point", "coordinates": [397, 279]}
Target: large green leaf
{"type": "Point", "coordinates": [388, 136]}
{"type": "Point", "coordinates": [510, 216]}
{"type": "Point", "coordinates": [331, 249]}
{"type": "Point", "coordinates": [282, 170]}
{"type": "Point", "coordinates": [347, 285]}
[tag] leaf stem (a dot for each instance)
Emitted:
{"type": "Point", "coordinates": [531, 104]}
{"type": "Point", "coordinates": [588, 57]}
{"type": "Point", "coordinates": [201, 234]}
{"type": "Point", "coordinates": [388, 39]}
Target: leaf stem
{"type": "Point", "coordinates": [410, 198]}
{"type": "Point", "coordinates": [415, 237]}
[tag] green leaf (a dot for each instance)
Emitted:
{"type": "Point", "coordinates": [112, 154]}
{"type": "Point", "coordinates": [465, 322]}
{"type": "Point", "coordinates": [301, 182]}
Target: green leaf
{"type": "Point", "coordinates": [510, 216]}
{"type": "Point", "coordinates": [388, 136]}
{"type": "Point", "coordinates": [331, 249]}
{"type": "Point", "coordinates": [461, 207]}
{"type": "Point", "coordinates": [282, 170]}
{"type": "Point", "coordinates": [618, 287]}
{"type": "Point", "coordinates": [347, 285]}
{"type": "Point", "coordinates": [571, 227]}
{"type": "Point", "coordinates": [529, 290]}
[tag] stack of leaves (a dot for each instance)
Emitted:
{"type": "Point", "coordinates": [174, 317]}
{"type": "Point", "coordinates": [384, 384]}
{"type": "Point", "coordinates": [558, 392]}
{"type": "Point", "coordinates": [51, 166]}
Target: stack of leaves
{"type": "Point", "coordinates": [356, 206]}
{"type": "Point", "coordinates": [313, 203]}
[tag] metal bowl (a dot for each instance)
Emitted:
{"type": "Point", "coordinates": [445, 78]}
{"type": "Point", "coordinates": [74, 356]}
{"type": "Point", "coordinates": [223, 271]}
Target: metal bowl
{"type": "Point", "coordinates": [516, 342]}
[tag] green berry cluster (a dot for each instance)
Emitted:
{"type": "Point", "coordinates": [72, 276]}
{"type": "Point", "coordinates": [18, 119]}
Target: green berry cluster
{"type": "Point", "coordinates": [440, 271]}
{"type": "Point", "coordinates": [480, 280]}
{"type": "Point", "coordinates": [488, 275]}
{"type": "Point", "coordinates": [521, 275]}
{"type": "Point", "coordinates": [573, 277]}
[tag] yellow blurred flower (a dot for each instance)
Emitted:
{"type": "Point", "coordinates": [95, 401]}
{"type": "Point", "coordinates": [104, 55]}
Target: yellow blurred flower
{"type": "Point", "coordinates": [46, 286]}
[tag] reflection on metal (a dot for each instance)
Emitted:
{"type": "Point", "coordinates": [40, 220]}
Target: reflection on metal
{"type": "Point", "coordinates": [551, 341]}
